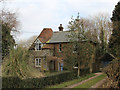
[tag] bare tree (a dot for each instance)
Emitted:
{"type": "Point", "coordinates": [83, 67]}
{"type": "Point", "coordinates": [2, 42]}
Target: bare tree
{"type": "Point", "coordinates": [10, 19]}
{"type": "Point", "coordinates": [101, 32]}
{"type": "Point", "coordinates": [27, 43]}
{"type": "Point", "coordinates": [9, 23]}
{"type": "Point", "coordinates": [103, 26]}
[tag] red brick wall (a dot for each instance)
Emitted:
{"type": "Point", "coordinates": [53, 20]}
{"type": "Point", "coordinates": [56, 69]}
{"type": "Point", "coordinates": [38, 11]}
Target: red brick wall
{"type": "Point", "coordinates": [56, 48]}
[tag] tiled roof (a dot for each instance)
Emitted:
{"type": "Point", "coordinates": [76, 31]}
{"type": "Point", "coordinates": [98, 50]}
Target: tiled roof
{"type": "Point", "coordinates": [45, 35]}
{"type": "Point", "coordinates": [61, 36]}
{"type": "Point", "coordinates": [48, 36]}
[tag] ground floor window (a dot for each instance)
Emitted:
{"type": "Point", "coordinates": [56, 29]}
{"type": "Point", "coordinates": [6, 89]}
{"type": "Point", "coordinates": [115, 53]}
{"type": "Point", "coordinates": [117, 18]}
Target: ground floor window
{"type": "Point", "coordinates": [37, 62]}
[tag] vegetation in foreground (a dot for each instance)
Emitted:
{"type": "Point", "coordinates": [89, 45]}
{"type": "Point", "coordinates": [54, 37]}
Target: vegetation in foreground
{"type": "Point", "coordinates": [113, 69]}
{"type": "Point", "coordinates": [92, 82]}
{"type": "Point", "coordinates": [16, 65]}
{"type": "Point", "coordinates": [113, 73]}
{"type": "Point", "coordinates": [16, 82]}
{"type": "Point", "coordinates": [68, 83]}
{"type": "Point", "coordinates": [15, 61]}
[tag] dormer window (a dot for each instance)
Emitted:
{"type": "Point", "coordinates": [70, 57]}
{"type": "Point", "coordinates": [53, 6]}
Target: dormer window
{"type": "Point", "coordinates": [38, 45]}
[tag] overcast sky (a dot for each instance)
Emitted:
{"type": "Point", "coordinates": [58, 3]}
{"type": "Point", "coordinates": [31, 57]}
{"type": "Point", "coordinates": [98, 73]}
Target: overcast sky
{"type": "Point", "coordinates": [35, 15]}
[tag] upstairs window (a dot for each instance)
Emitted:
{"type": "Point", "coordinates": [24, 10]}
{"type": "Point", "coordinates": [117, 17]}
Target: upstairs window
{"type": "Point", "coordinates": [38, 45]}
{"type": "Point", "coordinates": [60, 47]}
{"type": "Point", "coordinates": [37, 62]}
{"type": "Point", "coordinates": [75, 49]}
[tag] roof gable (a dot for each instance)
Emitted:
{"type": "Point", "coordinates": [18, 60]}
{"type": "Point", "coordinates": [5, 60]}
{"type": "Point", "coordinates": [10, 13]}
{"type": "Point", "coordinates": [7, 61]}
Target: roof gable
{"type": "Point", "coordinates": [45, 35]}
{"type": "Point", "coordinates": [37, 41]}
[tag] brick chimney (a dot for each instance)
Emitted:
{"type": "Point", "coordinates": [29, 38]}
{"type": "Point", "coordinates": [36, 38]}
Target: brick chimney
{"type": "Point", "coordinates": [60, 27]}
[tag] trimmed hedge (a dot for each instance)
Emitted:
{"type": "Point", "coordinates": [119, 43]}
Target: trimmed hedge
{"type": "Point", "coordinates": [15, 82]}
{"type": "Point", "coordinates": [10, 82]}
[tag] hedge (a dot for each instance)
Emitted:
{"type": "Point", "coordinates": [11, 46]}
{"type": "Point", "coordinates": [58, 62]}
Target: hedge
{"type": "Point", "coordinates": [113, 73]}
{"type": "Point", "coordinates": [15, 82]}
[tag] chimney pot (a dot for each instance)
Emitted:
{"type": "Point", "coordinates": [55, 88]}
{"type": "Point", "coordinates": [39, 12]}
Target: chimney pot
{"type": "Point", "coordinates": [60, 27]}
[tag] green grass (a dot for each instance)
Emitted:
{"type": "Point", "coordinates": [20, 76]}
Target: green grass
{"type": "Point", "coordinates": [74, 81]}
{"type": "Point", "coordinates": [92, 82]}
{"type": "Point", "coordinates": [53, 73]}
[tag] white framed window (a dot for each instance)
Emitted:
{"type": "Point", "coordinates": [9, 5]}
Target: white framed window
{"type": "Point", "coordinates": [37, 62]}
{"type": "Point", "coordinates": [60, 47]}
{"type": "Point", "coordinates": [38, 45]}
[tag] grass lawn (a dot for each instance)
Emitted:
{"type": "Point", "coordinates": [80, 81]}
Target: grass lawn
{"type": "Point", "coordinates": [53, 73]}
{"type": "Point", "coordinates": [74, 81]}
{"type": "Point", "coordinates": [92, 82]}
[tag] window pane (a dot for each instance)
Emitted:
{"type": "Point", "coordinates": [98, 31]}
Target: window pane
{"type": "Point", "coordinates": [36, 46]}
{"type": "Point", "coordinates": [60, 47]}
{"type": "Point", "coordinates": [75, 48]}
{"type": "Point", "coordinates": [39, 46]}
{"type": "Point", "coordinates": [39, 62]}
{"type": "Point", "coordinates": [36, 61]}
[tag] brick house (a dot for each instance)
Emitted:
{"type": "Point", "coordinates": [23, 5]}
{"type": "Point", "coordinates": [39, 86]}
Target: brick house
{"type": "Point", "coordinates": [47, 46]}
{"type": "Point", "coordinates": [46, 49]}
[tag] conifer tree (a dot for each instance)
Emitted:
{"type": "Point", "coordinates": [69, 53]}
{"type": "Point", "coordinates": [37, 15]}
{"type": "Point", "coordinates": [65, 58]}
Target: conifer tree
{"type": "Point", "coordinates": [114, 43]}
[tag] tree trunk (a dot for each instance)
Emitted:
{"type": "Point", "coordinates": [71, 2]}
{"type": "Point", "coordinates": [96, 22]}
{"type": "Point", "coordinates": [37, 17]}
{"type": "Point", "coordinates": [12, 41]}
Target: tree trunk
{"type": "Point", "coordinates": [91, 64]}
{"type": "Point", "coordinates": [91, 70]}
{"type": "Point", "coordinates": [78, 69]}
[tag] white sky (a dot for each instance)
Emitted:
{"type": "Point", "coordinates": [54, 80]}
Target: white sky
{"type": "Point", "coordinates": [35, 15]}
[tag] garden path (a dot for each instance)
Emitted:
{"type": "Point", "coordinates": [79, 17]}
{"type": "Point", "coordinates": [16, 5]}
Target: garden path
{"type": "Point", "coordinates": [99, 83]}
{"type": "Point", "coordinates": [72, 86]}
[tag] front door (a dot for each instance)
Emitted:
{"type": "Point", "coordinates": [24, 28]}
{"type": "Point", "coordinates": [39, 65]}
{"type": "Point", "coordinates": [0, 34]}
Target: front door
{"type": "Point", "coordinates": [52, 65]}
{"type": "Point", "coordinates": [58, 66]}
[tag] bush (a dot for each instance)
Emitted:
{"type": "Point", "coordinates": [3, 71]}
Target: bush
{"type": "Point", "coordinates": [16, 63]}
{"type": "Point", "coordinates": [15, 82]}
{"type": "Point", "coordinates": [11, 82]}
{"type": "Point", "coordinates": [84, 71]}
{"type": "Point", "coordinates": [113, 73]}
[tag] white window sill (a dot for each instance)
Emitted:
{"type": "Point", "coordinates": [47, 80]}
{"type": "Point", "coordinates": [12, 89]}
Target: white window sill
{"type": "Point", "coordinates": [74, 51]}
{"type": "Point", "coordinates": [37, 66]}
{"type": "Point", "coordinates": [60, 51]}
{"type": "Point", "coordinates": [37, 50]}
{"type": "Point", "coordinates": [75, 67]}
